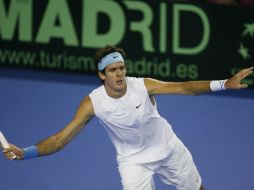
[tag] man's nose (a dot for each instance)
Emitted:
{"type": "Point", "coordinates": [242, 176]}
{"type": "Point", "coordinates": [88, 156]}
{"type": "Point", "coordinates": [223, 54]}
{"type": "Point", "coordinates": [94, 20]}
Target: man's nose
{"type": "Point", "coordinates": [119, 72]}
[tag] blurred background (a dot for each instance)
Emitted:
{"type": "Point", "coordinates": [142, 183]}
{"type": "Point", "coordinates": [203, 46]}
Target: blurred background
{"type": "Point", "coordinates": [46, 68]}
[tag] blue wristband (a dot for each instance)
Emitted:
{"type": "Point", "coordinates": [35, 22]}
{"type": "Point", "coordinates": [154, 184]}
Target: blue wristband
{"type": "Point", "coordinates": [30, 152]}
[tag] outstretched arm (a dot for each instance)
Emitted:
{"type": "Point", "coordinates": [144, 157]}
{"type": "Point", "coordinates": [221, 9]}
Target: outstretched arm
{"type": "Point", "coordinates": [57, 141]}
{"type": "Point", "coordinates": [194, 87]}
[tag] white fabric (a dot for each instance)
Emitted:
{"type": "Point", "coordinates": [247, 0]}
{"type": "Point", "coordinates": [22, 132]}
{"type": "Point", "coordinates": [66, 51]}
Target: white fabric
{"type": "Point", "coordinates": [138, 132]}
{"type": "Point", "coordinates": [217, 85]}
{"type": "Point", "coordinates": [178, 169]}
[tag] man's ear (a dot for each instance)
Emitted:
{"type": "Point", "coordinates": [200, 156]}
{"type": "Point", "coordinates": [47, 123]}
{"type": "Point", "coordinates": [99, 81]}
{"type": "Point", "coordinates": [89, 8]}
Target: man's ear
{"type": "Point", "coordinates": [102, 75]}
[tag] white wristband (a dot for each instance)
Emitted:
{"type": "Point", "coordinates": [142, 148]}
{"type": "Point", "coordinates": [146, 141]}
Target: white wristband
{"type": "Point", "coordinates": [217, 85]}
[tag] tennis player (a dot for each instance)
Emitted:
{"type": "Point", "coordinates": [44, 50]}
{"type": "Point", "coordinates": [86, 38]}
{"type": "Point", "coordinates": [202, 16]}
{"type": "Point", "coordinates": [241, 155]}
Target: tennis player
{"type": "Point", "coordinates": [144, 141]}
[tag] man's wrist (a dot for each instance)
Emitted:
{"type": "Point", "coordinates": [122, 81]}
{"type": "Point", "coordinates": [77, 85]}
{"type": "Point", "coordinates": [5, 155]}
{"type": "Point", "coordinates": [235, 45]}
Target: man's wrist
{"type": "Point", "coordinates": [30, 152]}
{"type": "Point", "coordinates": [217, 85]}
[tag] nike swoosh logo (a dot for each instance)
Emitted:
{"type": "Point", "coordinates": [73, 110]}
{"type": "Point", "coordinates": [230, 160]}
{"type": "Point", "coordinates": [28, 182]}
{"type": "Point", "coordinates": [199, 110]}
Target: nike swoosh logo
{"type": "Point", "coordinates": [115, 56]}
{"type": "Point", "coordinates": [138, 106]}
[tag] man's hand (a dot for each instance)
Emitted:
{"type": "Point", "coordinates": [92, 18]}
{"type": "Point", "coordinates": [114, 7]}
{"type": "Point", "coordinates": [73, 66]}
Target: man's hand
{"type": "Point", "coordinates": [235, 81]}
{"type": "Point", "coordinates": [8, 153]}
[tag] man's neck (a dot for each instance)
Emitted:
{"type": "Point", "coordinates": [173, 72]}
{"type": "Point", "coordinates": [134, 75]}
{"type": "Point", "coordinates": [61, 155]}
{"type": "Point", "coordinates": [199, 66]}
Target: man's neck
{"type": "Point", "coordinates": [114, 93]}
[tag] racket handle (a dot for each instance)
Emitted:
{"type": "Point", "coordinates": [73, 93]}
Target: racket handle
{"type": "Point", "coordinates": [5, 144]}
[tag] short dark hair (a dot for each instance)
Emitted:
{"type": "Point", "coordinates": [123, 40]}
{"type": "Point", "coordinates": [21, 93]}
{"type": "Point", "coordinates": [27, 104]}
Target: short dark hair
{"type": "Point", "coordinates": [105, 51]}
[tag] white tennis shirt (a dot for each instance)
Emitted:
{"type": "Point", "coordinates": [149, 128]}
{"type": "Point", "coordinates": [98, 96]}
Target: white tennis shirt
{"type": "Point", "coordinates": [136, 129]}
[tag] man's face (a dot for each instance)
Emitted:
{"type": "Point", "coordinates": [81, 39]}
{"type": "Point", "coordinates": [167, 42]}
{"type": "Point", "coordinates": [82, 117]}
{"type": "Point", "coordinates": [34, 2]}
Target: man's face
{"type": "Point", "coordinates": [114, 77]}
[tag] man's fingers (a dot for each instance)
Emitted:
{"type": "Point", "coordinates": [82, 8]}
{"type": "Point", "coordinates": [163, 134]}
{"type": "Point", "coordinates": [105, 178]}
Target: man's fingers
{"type": "Point", "coordinates": [8, 153]}
{"type": "Point", "coordinates": [244, 86]}
{"type": "Point", "coordinates": [13, 156]}
{"type": "Point", "coordinates": [245, 70]}
{"type": "Point", "coordinates": [10, 156]}
{"type": "Point", "coordinates": [244, 73]}
{"type": "Point", "coordinates": [7, 150]}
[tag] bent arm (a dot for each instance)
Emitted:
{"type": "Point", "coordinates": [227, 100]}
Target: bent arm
{"type": "Point", "coordinates": [56, 142]}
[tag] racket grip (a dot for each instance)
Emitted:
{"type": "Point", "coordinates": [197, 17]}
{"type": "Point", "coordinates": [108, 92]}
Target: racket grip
{"type": "Point", "coordinates": [5, 144]}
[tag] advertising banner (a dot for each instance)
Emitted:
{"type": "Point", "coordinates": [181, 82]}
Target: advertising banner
{"type": "Point", "coordinates": [171, 41]}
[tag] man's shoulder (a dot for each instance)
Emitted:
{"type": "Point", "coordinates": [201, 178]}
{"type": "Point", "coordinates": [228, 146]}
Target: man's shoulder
{"type": "Point", "coordinates": [97, 91]}
{"type": "Point", "coordinates": [134, 80]}
{"type": "Point", "coordinates": [136, 84]}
